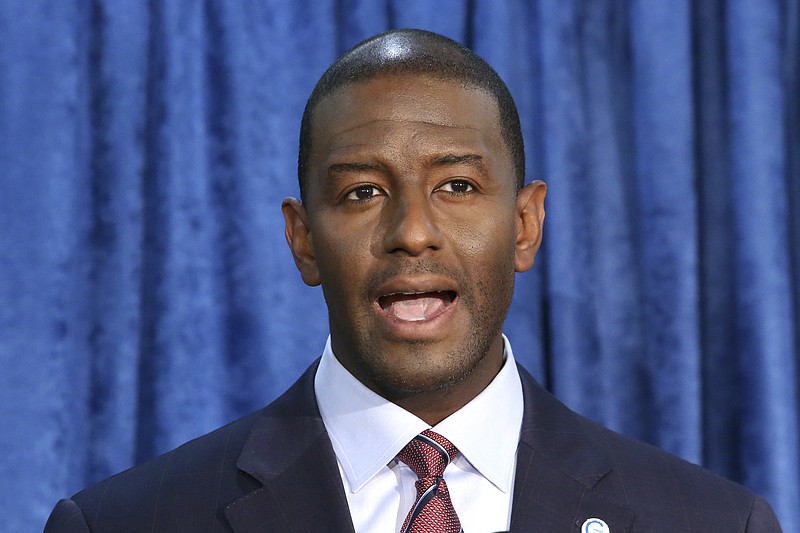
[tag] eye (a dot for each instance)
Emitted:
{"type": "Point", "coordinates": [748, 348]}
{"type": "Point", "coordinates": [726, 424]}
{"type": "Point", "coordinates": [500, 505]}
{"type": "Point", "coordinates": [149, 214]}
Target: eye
{"type": "Point", "coordinates": [457, 186]}
{"type": "Point", "coordinates": [363, 193]}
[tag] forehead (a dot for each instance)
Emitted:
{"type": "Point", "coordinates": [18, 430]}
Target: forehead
{"type": "Point", "coordinates": [401, 89]}
{"type": "Point", "coordinates": [418, 105]}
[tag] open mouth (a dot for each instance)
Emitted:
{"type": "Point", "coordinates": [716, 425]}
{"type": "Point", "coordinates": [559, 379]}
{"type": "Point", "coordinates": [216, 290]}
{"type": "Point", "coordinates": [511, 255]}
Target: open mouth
{"type": "Point", "coordinates": [416, 306]}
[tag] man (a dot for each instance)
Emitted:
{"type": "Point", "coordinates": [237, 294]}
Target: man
{"type": "Point", "coordinates": [414, 219]}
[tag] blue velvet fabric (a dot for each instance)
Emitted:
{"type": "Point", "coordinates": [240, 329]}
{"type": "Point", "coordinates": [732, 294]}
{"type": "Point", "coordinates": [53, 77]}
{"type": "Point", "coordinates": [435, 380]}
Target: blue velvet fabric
{"type": "Point", "coordinates": [147, 294]}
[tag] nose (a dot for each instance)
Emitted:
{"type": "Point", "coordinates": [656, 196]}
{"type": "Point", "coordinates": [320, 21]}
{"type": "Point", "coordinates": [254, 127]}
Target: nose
{"type": "Point", "coordinates": [411, 225]}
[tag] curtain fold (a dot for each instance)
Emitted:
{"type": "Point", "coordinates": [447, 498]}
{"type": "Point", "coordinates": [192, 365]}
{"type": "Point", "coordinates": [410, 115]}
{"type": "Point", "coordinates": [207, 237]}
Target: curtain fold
{"type": "Point", "coordinates": [148, 295]}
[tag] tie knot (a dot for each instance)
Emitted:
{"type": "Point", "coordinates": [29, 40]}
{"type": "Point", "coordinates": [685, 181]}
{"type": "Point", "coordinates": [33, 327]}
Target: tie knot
{"type": "Point", "coordinates": [428, 454]}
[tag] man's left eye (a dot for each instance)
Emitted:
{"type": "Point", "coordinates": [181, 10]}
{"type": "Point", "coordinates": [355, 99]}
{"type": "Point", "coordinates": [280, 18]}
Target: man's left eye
{"type": "Point", "coordinates": [457, 187]}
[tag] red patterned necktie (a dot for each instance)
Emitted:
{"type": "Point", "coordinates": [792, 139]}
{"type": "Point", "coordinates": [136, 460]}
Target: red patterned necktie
{"type": "Point", "coordinates": [428, 454]}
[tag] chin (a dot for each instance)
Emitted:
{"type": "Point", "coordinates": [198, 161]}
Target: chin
{"type": "Point", "coordinates": [426, 383]}
{"type": "Point", "coordinates": [423, 375]}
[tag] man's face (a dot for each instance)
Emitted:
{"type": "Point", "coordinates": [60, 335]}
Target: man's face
{"type": "Point", "coordinates": [413, 227]}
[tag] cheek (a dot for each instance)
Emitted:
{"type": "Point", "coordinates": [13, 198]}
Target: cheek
{"type": "Point", "coordinates": [342, 260]}
{"type": "Point", "coordinates": [334, 266]}
{"type": "Point", "coordinates": [489, 245]}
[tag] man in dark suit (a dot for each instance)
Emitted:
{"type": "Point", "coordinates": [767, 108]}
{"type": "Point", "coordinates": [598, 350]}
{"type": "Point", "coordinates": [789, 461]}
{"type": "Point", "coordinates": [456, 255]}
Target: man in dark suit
{"type": "Point", "coordinates": [414, 219]}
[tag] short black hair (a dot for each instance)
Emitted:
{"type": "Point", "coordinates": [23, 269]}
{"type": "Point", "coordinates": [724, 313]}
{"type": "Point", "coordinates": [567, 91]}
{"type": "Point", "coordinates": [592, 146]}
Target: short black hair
{"type": "Point", "coordinates": [412, 51]}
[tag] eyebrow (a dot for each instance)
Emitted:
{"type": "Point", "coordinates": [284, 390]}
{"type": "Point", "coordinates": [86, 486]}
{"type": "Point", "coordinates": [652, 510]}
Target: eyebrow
{"type": "Point", "coordinates": [472, 160]}
{"type": "Point", "coordinates": [445, 160]}
{"type": "Point", "coordinates": [344, 168]}
{"type": "Point", "coordinates": [458, 159]}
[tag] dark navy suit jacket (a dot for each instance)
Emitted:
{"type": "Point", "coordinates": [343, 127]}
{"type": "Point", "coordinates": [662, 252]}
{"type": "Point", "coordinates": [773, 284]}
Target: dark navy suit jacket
{"type": "Point", "coordinates": [275, 471]}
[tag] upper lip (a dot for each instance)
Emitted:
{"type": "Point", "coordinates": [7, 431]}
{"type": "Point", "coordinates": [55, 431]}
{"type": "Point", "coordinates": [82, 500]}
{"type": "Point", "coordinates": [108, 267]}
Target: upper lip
{"type": "Point", "coordinates": [415, 285]}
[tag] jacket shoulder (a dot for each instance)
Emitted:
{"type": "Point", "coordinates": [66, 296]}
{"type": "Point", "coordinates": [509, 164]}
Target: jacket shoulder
{"type": "Point", "coordinates": [665, 489]}
{"type": "Point", "coordinates": [192, 482]}
{"type": "Point", "coordinates": [663, 492]}
{"type": "Point", "coordinates": [188, 488]}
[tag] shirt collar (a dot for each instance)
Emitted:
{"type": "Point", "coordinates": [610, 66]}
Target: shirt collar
{"type": "Point", "coordinates": [367, 431]}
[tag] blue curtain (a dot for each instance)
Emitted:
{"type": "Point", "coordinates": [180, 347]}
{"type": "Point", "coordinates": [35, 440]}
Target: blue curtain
{"type": "Point", "coordinates": [147, 294]}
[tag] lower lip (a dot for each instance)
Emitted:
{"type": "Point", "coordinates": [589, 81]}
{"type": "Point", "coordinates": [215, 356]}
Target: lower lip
{"type": "Point", "coordinates": [418, 330]}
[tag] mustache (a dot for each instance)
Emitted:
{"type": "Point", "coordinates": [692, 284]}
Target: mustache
{"type": "Point", "coordinates": [415, 267]}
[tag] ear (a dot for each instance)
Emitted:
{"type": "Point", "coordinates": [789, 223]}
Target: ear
{"type": "Point", "coordinates": [298, 235]}
{"type": "Point", "coordinates": [530, 221]}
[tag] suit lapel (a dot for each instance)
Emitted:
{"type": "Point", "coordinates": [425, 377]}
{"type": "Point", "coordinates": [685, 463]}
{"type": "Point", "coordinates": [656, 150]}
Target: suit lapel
{"type": "Point", "coordinates": [289, 452]}
{"type": "Point", "coordinates": [561, 476]}
{"type": "Point", "coordinates": [561, 470]}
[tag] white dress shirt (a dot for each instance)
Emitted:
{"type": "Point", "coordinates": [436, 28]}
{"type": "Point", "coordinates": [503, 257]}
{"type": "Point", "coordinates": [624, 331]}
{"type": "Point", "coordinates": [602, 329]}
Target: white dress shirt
{"type": "Point", "coordinates": [367, 432]}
